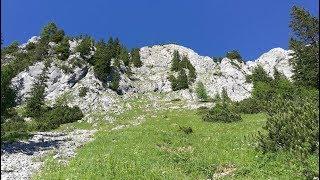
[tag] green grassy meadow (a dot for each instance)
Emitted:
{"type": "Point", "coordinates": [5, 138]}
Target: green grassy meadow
{"type": "Point", "coordinates": [157, 148]}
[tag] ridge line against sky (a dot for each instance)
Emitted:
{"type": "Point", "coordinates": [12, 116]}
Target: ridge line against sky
{"type": "Point", "coordinates": [210, 28]}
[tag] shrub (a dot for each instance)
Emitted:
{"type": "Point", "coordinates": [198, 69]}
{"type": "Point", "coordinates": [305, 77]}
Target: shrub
{"type": "Point", "coordinates": [249, 106]}
{"type": "Point", "coordinates": [83, 91]}
{"type": "Point", "coordinates": [135, 57]}
{"type": "Point", "coordinates": [63, 49]}
{"type": "Point", "coordinates": [54, 117]}
{"type": "Point", "coordinates": [186, 130]}
{"type": "Point", "coordinates": [203, 110]}
{"type": "Point", "coordinates": [76, 63]}
{"type": "Point", "coordinates": [66, 69]}
{"type": "Point", "coordinates": [35, 103]}
{"type": "Point", "coordinates": [222, 112]}
{"type": "Point", "coordinates": [292, 125]}
{"type": "Point", "coordinates": [234, 54]}
{"type": "Point", "coordinates": [201, 92]}
{"type": "Point", "coordinates": [217, 59]}
{"type": "Point", "coordinates": [14, 128]}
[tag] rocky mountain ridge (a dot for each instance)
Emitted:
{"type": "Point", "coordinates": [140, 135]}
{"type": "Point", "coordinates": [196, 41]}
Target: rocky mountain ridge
{"type": "Point", "coordinates": [66, 78]}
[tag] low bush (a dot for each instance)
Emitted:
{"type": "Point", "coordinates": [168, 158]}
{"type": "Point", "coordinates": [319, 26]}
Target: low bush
{"type": "Point", "coordinates": [55, 116]}
{"type": "Point", "coordinates": [292, 125]}
{"type": "Point", "coordinates": [222, 112]}
{"type": "Point", "coordinates": [249, 106]}
{"type": "Point", "coordinates": [14, 128]}
{"type": "Point", "coordinates": [186, 130]}
{"type": "Point", "coordinates": [203, 110]}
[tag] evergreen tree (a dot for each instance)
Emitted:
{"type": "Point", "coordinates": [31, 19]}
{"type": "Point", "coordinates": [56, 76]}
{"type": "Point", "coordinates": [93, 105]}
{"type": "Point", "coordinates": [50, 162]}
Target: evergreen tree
{"type": "Point", "coordinates": [182, 80]}
{"type": "Point", "coordinates": [174, 83]}
{"type": "Point", "coordinates": [85, 47]}
{"type": "Point", "coordinates": [305, 44]}
{"type": "Point", "coordinates": [116, 48]}
{"type": "Point", "coordinates": [63, 49]}
{"type": "Point", "coordinates": [175, 63]}
{"type": "Point", "coordinates": [114, 85]}
{"type": "Point", "coordinates": [124, 56]}
{"type": "Point", "coordinates": [260, 75]}
{"type": "Point", "coordinates": [224, 96]}
{"type": "Point", "coordinates": [102, 62]}
{"type": "Point", "coordinates": [35, 103]}
{"type": "Point", "coordinates": [192, 75]}
{"type": "Point", "coordinates": [135, 57]}
{"type": "Point", "coordinates": [201, 91]}
{"type": "Point", "coordinates": [51, 33]}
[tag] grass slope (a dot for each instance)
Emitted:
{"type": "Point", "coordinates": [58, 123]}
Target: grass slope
{"type": "Point", "coordinates": [158, 149]}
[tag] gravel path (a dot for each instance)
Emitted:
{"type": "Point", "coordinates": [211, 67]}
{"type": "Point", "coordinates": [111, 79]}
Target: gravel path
{"type": "Point", "coordinates": [19, 160]}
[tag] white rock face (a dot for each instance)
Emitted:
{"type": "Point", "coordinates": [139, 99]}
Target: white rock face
{"type": "Point", "coordinates": [229, 74]}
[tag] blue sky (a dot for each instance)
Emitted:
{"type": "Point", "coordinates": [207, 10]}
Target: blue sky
{"type": "Point", "coordinates": [210, 27]}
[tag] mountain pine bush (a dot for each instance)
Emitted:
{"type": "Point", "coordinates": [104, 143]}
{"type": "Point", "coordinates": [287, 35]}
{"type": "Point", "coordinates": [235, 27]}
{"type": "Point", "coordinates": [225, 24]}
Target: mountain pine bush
{"type": "Point", "coordinates": [292, 125]}
{"type": "Point", "coordinates": [223, 111]}
{"type": "Point", "coordinates": [53, 117]}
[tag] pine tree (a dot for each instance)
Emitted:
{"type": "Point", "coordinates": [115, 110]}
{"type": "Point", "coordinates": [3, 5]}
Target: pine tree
{"type": "Point", "coordinates": [124, 56]}
{"type": "Point", "coordinates": [51, 33]}
{"type": "Point", "coordinates": [305, 44]}
{"type": "Point", "coordinates": [63, 49]}
{"type": "Point", "coordinates": [102, 62]}
{"type": "Point", "coordinates": [85, 47]}
{"type": "Point", "coordinates": [35, 103]}
{"type": "Point", "coordinates": [114, 85]}
{"type": "Point", "coordinates": [182, 80]}
{"type": "Point", "coordinates": [201, 91]}
{"type": "Point", "coordinates": [135, 57]}
{"type": "Point", "coordinates": [175, 63]}
{"type": "Point", "coordinates": [173, 82]}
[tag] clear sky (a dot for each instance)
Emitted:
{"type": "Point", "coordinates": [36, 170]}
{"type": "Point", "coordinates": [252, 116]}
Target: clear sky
{"type": "Point", "coordinates": [210, 27]}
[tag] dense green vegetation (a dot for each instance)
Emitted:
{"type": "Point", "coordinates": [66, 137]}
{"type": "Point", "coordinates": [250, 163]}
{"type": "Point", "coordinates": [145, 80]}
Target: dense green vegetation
{"type": "Point", "coordinates": [305, 44]}
{"type": "Point", "coordinates": [178, 65]}
{"type": "Point", "coordinates": [201, 92]}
